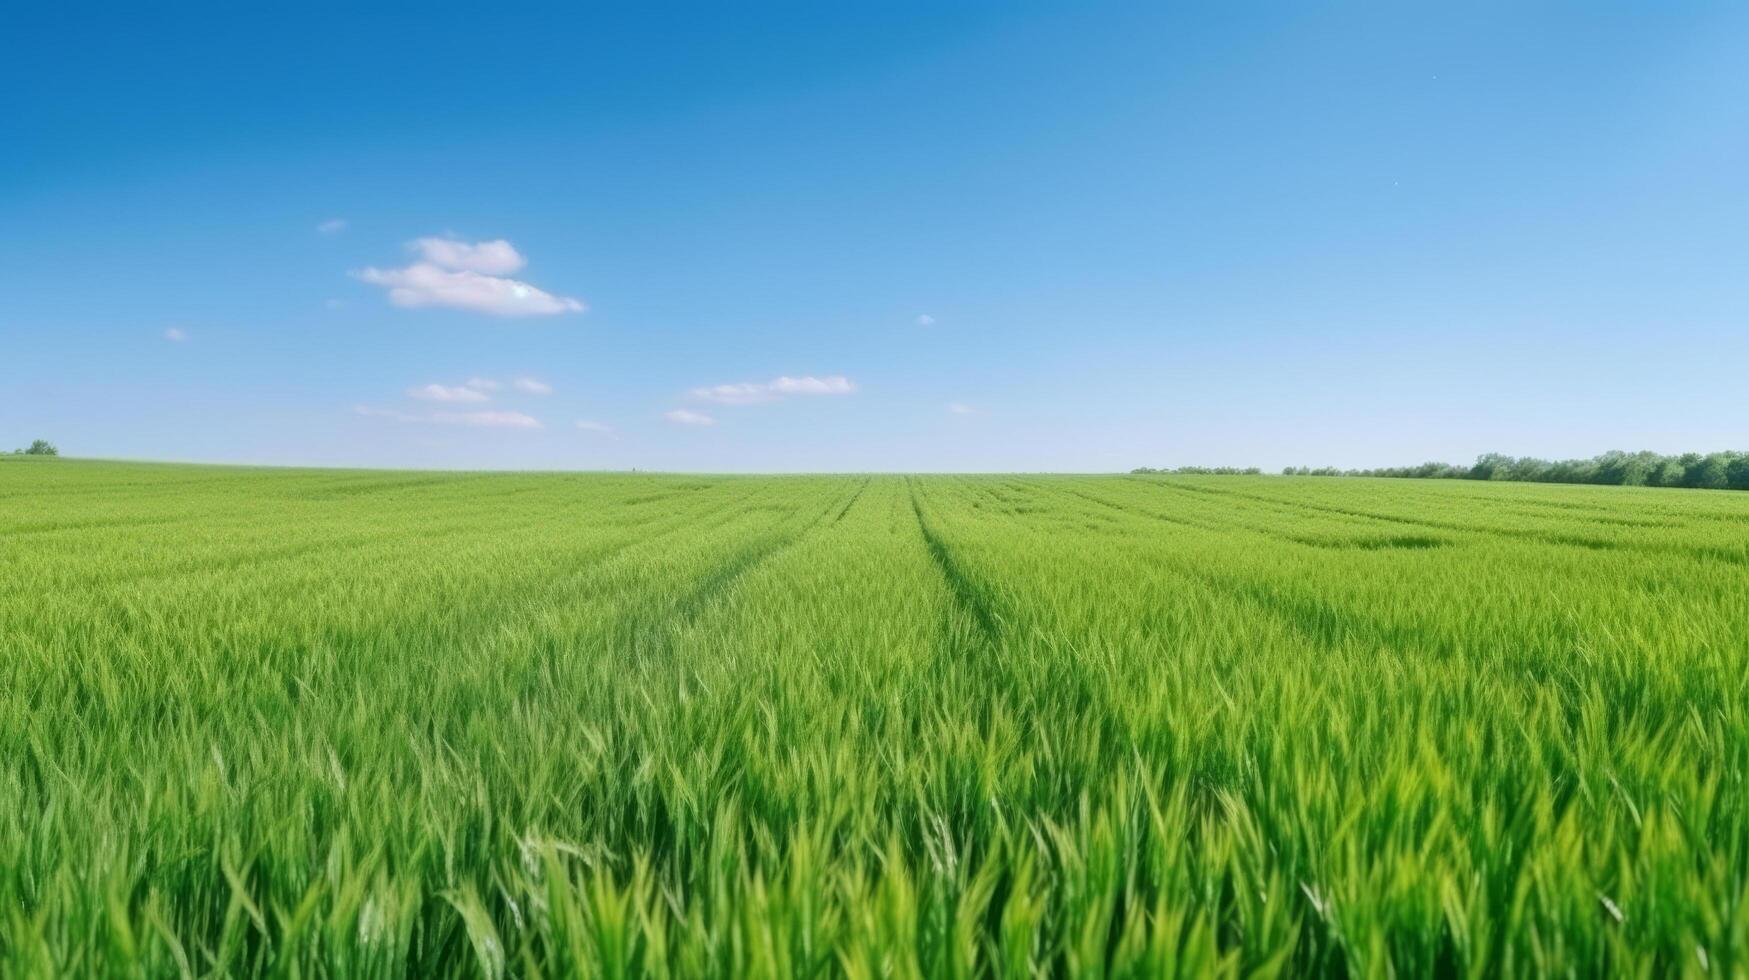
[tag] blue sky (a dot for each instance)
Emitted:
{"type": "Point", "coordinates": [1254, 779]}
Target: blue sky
{"type": "Point", "coordinates": [873, 236]}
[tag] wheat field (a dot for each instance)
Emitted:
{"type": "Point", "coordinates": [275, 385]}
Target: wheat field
{"type": "Point", "coordinates": [380, 724]}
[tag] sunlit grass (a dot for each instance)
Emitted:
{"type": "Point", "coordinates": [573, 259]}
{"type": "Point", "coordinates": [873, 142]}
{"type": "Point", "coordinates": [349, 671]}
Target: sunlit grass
{"type": "Point", "coordinates": [325, 723]}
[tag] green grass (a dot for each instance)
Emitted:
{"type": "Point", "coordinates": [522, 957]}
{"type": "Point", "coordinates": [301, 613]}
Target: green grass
{"type": "Point", "coordinates": [320, 723]}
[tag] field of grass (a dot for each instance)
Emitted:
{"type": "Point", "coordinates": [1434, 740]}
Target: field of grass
{"type": "Point", "coordinates": [330, 723]}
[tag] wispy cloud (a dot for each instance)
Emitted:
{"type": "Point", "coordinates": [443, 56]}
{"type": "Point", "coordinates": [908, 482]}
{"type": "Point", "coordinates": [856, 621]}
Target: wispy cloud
{"type": "Point", "coordinates": [369, 411]}
{"type": "Point", "coordinates": [480, 419]}
{"type": "Point", "coordinates": [533, 386]}
{"type": "Point", "coordinates": [744, 392]}
{"type": "Point", "coordinates": [422, 285]}
{"type": "Point", "coordinates": [960, 408]}
{"type": "Point", "coordinates": [176, 335]}
{"type": "Point", "coordinates": [589, 425]}
{"type": "Point", "coordinates": [925, 320]}
{"type": "Point", "coordinates": [753, 393]}
{"type": "Point", "coordinates": [488, 420]}
{"type": "Point", "coordinates": [836, 384]}
{"type": "Point", "coordinates": [459, 275]}
{"type": "Point", "coordinates": [333, 226]}
{"type": "Point", "coordinates": [448, 393]}
{"type": "Point", "coordinates": [681, 416]}
{"type": "Point", "coordinates": [482, 384]}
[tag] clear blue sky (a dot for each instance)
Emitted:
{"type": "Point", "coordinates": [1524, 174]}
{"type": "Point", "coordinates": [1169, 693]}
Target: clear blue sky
{"type": "Point", "coordinates": [971, 237]}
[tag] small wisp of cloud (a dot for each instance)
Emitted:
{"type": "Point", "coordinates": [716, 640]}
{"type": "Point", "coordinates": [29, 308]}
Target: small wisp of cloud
{"type": "Point", "coordinates": [331, 227]}
{"type": "Point", "coordinates": [448, 393]}
{"type": "Point", "coordinates": [681, 416]}
{"type": "Point", "coordinates": [476, 389]}
{"type": "Point", "coordinates": [488, 419]}
{"type": "Point", "coordinates": [600, 428]}
{"type": "Point", "coordinates": [925, 320]}
{"type": "Point", "coordinates": [470, 392]}
{"type": "Point", "coordinates": [467, 276]}
{"type": "Point", "coordinates": [176, 335]}
{"type": "Point", "coordinates": [372, 412]}
{"type": "Point", "coordinates": [481, 419]}
{"type": "Point", "coordinates": [754, 393]}
{"type": "Point", "coordinates": [960, 408]}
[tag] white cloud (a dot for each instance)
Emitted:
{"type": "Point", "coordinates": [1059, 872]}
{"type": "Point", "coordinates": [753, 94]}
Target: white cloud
{"type": "Point", "coordinates": [533, 386]}
{"type": "Point", "coordinates": [588, 425]}
{"type": "Point", "coordinates": [681, 416]}
{"type": "Point", "coordinates": [461, 276]}
{"type": "Point", "coordinates": [482, 419]}
{"type": "Point", "coordinates": [743, 393]}
{"type": "Point", "coordinates": [335, 304]}
{"type": "Point", "coordinates": [490, 420]}
{"type": "Point", "coordinates": [422, 284]}
{"type": "Point", "coordinates": [753, 393]}
{"type": "Point", "coordinates": [176, 335]}
{"type": "Point", "coordinates": [448, 393]}
{"type": "Point", "coordinates": [958, 408]}
{"type": "Point", "coordinates": [333, 226]}
{"type": "Point", "coordinates": [836, 384]}
{"type": "Point", "coordinates": [925, 320]}
{"type": "Point", "coordinates": [387, 413]}
{"type": "Point", "coordinates": [494, 258]}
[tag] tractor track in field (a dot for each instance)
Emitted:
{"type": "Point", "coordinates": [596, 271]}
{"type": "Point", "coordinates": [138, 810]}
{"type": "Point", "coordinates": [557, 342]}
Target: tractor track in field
{"type": "Point", "coordinates": [236, 562]}
{"type": "Point", "coordinates": [592, 561]}
{"type": "Point", "coordinates": [331, 547]}
{"type": "Point", "coordinates": [853, 499]}
{"type": "Point", "coordinates": [1230, 526]}
{"type": "Point", "coordinates": [1726, 555]}
{"type": "Point", "coordinates": [967, 595]}
{"type": "Point", "coordinates": [1318, 620]}
{"type": "Point", "coordinates": [1139, 512]}
{"type": "Point", "coordinates": [1573, 540]}
{"type": "Point", "coordinates": [655, 634]}
{"type": "Point", "coordinates": [97, 523]}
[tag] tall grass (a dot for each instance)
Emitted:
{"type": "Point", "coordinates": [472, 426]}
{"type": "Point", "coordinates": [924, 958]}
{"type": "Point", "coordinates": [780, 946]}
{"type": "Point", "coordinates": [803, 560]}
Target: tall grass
{"type": "Point", "coordinates": [310, 723]}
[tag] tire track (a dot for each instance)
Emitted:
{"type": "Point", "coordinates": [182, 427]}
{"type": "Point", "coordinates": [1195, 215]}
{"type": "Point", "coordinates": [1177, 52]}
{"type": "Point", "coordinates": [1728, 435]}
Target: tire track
{"type": "Point", "coordinates": [853, 499]}
{"type": "Point", "coordinates": [656, 632]}
{"type": "Point", "coordinates": [967, 596]}
{"type": "Point", "coordinates": [1571, 540]}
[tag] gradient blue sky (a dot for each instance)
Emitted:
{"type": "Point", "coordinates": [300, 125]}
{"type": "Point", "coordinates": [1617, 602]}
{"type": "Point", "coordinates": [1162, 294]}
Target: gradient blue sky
{"type": "Point", "coordinates": [1146, 234]}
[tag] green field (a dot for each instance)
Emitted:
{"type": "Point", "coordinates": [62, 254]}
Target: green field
{"type": "Point", "coordinates": [345, 723]}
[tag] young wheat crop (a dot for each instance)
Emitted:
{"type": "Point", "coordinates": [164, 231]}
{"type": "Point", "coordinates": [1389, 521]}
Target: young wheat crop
{"type": "Point", "coordinates": [330, 723]}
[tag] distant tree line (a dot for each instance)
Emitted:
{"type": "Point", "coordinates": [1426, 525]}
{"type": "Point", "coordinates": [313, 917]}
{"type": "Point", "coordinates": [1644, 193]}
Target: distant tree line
{"type": "Point", "coordinates": [1201, 470]}
{"type": "Point", "coordinates": [41, 447]}
{"type": "Point", "coordinates": [1711, 471]}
